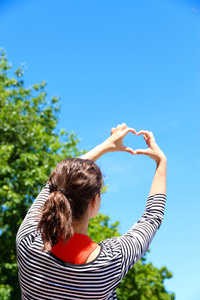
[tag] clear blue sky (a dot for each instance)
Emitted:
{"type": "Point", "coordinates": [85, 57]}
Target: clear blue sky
{"type": "Point", "coordinates": [129, 61]}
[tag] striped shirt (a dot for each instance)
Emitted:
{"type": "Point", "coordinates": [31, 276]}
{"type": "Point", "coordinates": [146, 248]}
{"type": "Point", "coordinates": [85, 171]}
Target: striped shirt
{"type": "Point", "coordinates": [43, 276]}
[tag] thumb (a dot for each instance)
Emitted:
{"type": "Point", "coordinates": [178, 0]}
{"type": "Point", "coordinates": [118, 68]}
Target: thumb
{"type": "Point", "coordinates": [140, 151]}
{"type": "Point", "coordinates": [129, 150]}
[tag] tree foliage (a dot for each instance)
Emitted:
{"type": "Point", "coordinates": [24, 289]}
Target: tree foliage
{"type": "Point", "coordinates": [30, 147]}
{"type": "Point", "coordinates": [145, 282]}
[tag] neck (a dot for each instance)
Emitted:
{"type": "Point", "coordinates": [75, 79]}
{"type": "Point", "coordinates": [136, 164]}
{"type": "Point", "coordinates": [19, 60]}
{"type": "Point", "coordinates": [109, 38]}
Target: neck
{"type": "Point", "coordinates": [80, 226]}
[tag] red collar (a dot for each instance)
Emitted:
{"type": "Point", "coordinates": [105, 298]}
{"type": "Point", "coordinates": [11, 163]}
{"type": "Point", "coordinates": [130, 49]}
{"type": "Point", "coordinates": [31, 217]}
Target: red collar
{"type": "Point", "coordinates": [76, 250]}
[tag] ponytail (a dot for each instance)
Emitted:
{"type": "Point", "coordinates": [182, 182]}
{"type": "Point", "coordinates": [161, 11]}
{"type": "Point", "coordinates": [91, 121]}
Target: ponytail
{"type": "Point", "coordinates": [73, 184]}
{"type": "Point", "coordinates": [56, 220]}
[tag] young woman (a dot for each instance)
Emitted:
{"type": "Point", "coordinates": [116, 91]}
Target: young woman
{"type": "Point", "coordinates": [56, 258]}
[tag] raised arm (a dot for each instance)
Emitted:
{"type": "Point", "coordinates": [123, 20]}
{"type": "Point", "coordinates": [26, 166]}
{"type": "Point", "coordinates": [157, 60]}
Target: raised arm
{"type": "Point", "coordinates": [154, 152]}
{"type": "Point", "coordinates": [136, 241]}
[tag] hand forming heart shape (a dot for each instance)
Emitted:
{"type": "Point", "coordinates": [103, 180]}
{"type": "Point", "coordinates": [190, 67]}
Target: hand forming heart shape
{"type": "Point", "coordinates": [118, 134]}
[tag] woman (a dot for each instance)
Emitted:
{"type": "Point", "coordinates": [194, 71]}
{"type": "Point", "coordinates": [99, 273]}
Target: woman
{"type": "Point", "coordinates": [56, 258]}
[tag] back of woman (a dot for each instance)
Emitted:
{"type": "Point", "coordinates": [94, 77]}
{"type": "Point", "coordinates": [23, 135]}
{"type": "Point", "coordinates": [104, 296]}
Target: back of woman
{"type": "Point", "coordinates": [61, 213]}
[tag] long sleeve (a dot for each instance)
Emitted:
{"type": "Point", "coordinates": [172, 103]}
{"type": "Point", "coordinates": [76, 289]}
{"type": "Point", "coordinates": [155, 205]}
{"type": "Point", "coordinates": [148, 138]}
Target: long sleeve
{"type": "Point", "coordinates": [31, 220]}
{"type": "Point", "coordinates": [136, 241]}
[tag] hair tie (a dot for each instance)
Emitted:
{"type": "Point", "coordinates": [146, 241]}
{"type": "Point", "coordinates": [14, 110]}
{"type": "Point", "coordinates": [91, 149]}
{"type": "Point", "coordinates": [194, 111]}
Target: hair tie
{"type": "Point", "coordinates": [64, 193]}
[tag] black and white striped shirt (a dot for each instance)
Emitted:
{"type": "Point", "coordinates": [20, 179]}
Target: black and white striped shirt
{"type": "Point", "coordinates": [43, 276]}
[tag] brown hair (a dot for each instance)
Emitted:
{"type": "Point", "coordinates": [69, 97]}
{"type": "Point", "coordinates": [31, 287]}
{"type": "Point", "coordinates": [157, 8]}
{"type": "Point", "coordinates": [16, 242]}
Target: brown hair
{"type": "Point", "coordinates": [80, 180]}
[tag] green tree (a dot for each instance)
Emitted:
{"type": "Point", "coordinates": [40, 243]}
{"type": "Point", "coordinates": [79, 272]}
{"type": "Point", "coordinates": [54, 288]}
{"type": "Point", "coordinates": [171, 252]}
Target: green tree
{"type": "Point", "coordinates": [101, 229]}
{"type": "Point", "coordinates": [145, 282]}
{"type": "Point", "coordinates": [30, 147]}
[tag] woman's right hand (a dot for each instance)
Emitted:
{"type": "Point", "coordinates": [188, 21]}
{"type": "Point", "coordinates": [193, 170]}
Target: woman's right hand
{"type": "Point", "coordinates": [153, 150]}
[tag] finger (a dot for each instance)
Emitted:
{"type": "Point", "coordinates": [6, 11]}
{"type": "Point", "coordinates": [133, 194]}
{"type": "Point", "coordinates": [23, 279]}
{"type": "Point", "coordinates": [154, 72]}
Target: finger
{"type": "Point", "coordinates": [129, 150]}
{"type": "Point", "coordinates": [147, 134]}
{"type": "Point", "coordinates": [142, 132]}
{"type": "Point", "coordinates": [127, 130]}
{"type": "Point", "coordinates": [123, 126]}
{"type": "Point", "coordinates": [118, 126]}
{"type": "Point", "coordinates": [146, 140]}
{"type": "Point", "coordinates": [113, 130]}
{"type": "Point", "coordinates": [117, 129]}
{"type": "Point", "coordinates": [140, 151]}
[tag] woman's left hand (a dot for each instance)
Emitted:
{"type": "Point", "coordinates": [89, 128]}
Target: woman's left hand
{"type": "Point", "coordinates": [115, 141]}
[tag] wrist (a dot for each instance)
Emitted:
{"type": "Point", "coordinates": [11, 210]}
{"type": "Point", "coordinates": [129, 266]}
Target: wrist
{"type": "Point", "coordinates": [162, 165]}
{"type": "Point", "coordinates": [162, 160]}
{"type": "Point", "coordinates": [107, 147]}
{"type": "Point", "coordinates": [96, 152]}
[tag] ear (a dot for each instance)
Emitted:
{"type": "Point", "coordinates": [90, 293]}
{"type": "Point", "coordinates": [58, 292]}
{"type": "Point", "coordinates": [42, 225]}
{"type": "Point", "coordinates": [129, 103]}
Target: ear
{"type": "Point", "coordinates": [95, 201]}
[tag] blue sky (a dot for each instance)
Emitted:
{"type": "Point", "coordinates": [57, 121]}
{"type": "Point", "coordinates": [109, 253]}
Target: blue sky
{"type": "Point", "coordinates": [125, 61]}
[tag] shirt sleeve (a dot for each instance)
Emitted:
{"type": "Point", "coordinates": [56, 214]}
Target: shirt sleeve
{"type": "Point", "coordinates": [135, 242]}
{"type": "Point", "coordinates": [32, 218]}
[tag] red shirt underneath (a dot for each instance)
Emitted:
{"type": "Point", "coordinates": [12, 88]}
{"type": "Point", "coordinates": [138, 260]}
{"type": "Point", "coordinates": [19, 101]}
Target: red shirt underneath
{"type": "Point", "coordinates": [76, 250]}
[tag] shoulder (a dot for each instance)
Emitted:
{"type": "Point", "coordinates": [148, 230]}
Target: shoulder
{"type": "Point", "coordinates": [111, 247]}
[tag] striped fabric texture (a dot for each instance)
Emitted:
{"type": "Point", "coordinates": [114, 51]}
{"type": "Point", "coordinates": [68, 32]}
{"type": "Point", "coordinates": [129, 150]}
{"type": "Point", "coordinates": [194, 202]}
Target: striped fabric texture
{"type": "Point", "coordinates": [43, 276]}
